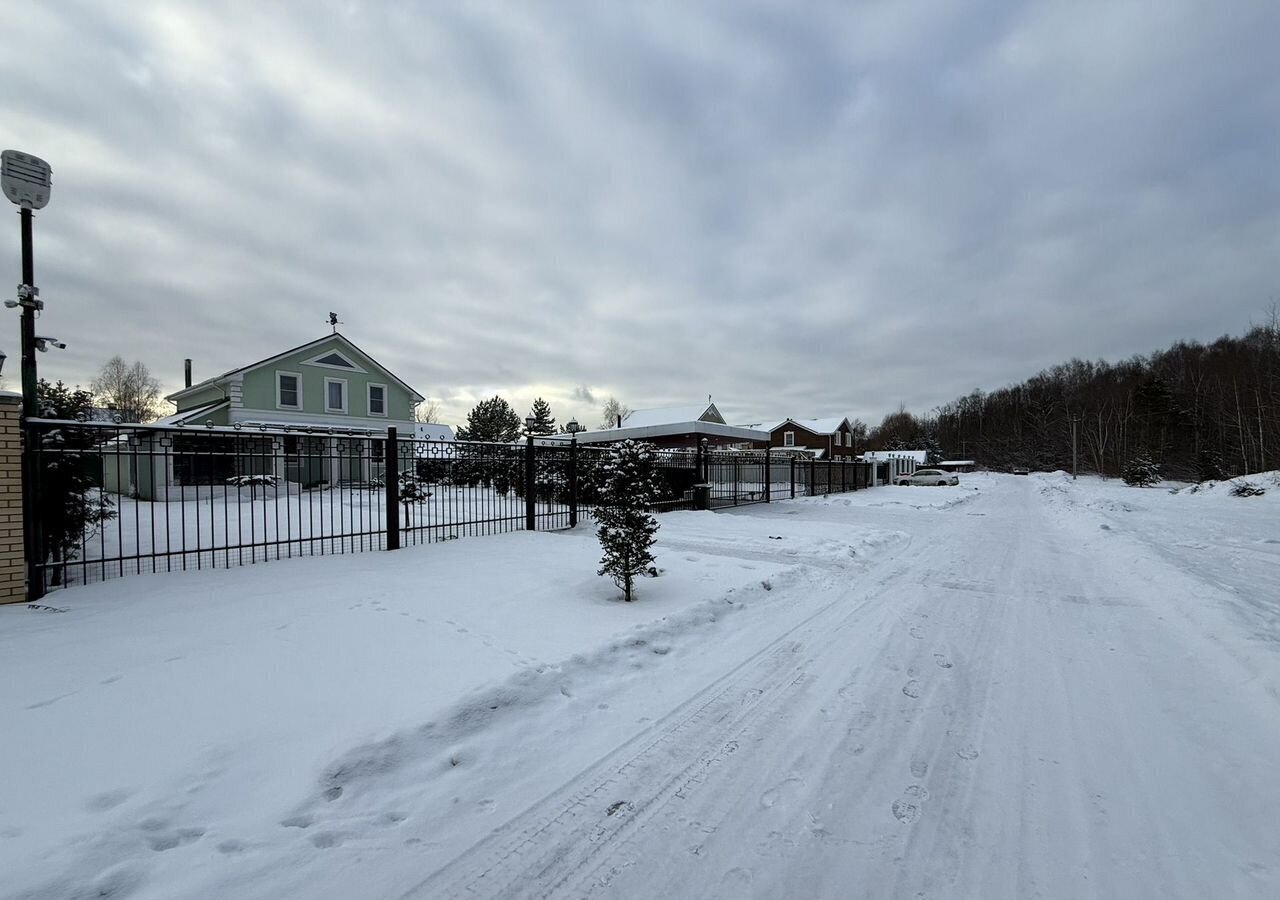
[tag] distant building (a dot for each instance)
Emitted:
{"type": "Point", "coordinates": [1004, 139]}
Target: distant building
{"type": "Point", "coordinates": [672, 427]}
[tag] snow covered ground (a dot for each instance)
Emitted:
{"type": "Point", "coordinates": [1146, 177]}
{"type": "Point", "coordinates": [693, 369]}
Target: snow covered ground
{"type": "Point", "coordinates": [1020, 687]}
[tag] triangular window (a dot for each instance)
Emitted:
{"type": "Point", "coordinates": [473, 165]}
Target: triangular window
{"type": "Point", "coordinates": [334, 359]}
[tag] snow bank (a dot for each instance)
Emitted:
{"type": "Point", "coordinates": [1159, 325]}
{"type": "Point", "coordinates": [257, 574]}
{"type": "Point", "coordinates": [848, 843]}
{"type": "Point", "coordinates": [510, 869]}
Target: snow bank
{"type": "Point", "coordinates": [1268, 482]}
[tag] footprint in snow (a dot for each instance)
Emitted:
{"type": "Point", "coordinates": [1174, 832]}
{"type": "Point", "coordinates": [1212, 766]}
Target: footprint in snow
{"type": "Point", "coordinates": [771, 797]}
{"type": "Point", "coordinates": [916, 632]}
{"type": "Point", "coordinates": [919, 768]}
{"type": "Point", "coordinates": [912, 689]}
{"type": "Point", "coordinates": [942, 661]}
{"type": "Point", "coordinates": [968, 751]}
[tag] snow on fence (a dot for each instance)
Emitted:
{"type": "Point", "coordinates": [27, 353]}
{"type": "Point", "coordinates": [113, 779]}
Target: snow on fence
{"type": "Point", "coordinates": [115, 500]}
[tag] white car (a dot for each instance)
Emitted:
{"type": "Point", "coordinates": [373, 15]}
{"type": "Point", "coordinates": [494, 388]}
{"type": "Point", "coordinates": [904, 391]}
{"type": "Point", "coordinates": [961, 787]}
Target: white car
{"type": "Point", "coordinates": [929, 476]}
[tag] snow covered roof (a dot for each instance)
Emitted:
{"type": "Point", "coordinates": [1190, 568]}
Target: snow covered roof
{"type": "Point", "coordinates": [671, 415]}
{"type": "Point", "coordinates": [828, 425]}
{"type": "Point", "coordinates": [956, 462]}
{"type": "Point", "coordinates": [433, 431]}
{"type": "Point", "coordinates": [188, 414]}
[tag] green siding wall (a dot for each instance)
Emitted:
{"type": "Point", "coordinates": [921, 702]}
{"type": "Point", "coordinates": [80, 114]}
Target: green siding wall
{"type": "Point", "coordinates": [259, 389]}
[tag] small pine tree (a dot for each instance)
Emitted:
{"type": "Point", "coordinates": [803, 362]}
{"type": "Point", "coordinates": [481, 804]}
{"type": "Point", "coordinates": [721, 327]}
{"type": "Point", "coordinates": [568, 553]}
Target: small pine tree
{"type": "Point", "coordinates": [543, 421]}
{"type": "Point", "coordinates": [1141, 470]}
{"type": "Point", "coordinates": [628, 486]}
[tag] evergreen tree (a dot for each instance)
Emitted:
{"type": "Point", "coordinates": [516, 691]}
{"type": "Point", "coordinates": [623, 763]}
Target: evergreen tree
{"type": "Point", "coordinates": [1209, 466]}
{"type": "Point", "coordinates": [543, 421]}
{"type": "Point", "coordinates": [1141, 470]}
{"type": "Point", "coordinates": [491, 420]}
{"type": "Point", "coordinates": [628, 485]}
{"type": "Point", "coordinates": [68, 504]}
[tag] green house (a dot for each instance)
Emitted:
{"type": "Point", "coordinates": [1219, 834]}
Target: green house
{"type": "Point", "coordinates": [316, 410]}
{"type": "Point", "coordinates": [328, 382]}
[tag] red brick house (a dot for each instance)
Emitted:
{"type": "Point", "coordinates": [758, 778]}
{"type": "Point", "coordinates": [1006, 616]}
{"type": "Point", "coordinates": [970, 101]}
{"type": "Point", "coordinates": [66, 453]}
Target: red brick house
{"type": "Point", "coordinates": [829, 438]}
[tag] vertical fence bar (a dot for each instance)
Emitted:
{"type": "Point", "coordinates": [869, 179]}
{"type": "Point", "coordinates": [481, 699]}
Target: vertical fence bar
{"type": "Point", "coordinates": [530, 502]}
{"type": "Point", "coordinates": [793, 478]}
{"type": "Point", "coordinates": [573, 481]}
{"type": "Point", "coordinates": [768, 475]}
{"type": "Point", "coordinates": [392, 478]}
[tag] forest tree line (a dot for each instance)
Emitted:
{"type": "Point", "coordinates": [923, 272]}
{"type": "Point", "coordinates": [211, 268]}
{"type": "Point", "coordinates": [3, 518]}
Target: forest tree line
{"type": "Point", "coordinates": [1199, 411]}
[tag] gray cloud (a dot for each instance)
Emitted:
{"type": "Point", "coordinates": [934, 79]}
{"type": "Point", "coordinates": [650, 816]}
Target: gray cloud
{"type": "Point", "coordinates": [801, 215]}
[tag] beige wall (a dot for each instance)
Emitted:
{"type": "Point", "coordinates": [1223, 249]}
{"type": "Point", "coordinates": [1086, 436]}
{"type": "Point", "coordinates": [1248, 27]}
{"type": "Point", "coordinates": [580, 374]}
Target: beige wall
{"type": "Point", "coordinates": [13, 583]}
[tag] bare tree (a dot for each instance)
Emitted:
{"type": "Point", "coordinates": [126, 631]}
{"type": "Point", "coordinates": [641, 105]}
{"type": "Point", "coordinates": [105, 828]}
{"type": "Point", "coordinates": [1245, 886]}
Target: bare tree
{"type": "Point", "coordinates": [128, 388]}
{"type": "Point", "coordinates": [427, 412]}
{"type": "Point", "coordinates": [611, 411]}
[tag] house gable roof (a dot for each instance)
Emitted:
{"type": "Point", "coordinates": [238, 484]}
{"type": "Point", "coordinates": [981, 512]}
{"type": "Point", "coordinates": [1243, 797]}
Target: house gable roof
{"type": "Point", "coordinates": [335, 337]}
{"type": "Point", "coordinates": [672, 415]}
{"type": "Point", "coordinates": [824, 427]}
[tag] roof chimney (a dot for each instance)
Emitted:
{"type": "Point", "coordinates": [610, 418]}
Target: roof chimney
{"type": "Point", "coordinates": [186, 366]}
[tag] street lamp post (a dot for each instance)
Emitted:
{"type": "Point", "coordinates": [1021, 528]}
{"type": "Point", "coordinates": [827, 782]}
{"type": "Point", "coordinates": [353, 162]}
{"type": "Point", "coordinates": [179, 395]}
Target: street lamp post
{"type": "Point", "coordinates": [26, 181]}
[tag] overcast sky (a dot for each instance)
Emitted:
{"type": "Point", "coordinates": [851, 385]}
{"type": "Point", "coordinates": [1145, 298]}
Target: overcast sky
{"type": "Point", "coordinates": [801, 210]}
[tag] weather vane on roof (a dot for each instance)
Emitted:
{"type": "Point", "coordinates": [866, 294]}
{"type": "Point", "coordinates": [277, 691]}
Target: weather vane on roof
{"type": "Point", "coordinates": [333, 321]}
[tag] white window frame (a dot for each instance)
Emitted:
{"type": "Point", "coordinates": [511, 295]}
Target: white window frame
{"type": "Point", "coordinates": [346, 396]}
{"type": "Point", "coordinates": [297, 376]}
{"type": "Point", "coordinates": [368, 399]}
{"type": "Point", "coordinates": [788, 438]}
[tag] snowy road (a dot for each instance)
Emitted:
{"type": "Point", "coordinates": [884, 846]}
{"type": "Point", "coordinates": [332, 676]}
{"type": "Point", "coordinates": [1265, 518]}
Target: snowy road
{"type": "Point", "coordinates": [1018, 688]}
{"type": "Point", "coordinates": [1021, 703]}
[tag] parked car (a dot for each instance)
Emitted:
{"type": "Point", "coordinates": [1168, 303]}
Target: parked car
{"type": "Point", "coordinates": [929, 476]}
{"type": "Point", "coordinates": [1020, 470]}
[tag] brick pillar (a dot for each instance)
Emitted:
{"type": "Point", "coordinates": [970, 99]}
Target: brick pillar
{"type": "Point", "coordinates": [13, 569]}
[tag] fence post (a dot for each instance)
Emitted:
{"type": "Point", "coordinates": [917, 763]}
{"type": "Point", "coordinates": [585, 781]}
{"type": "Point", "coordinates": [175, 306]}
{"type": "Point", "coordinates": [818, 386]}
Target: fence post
{"type": "Point", "coordinates": [793, 477]}
{"type": "Point", "coordinates": [768, 474]}
{"type": "Point", "coordinates": [391, 476]}
{"type": "Point", "coordinates": [529, 507]}
{"type": "Point", "coordinates": [813, 471]}
{"type": "Point", "coordinates": [573, 481]}
{"type": "Point", "coordinates": [828, 490]}
{"type": "Point", "coordinates": [844, 480]}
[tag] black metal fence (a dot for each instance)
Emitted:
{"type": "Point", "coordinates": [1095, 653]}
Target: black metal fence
{"type": "Point", "coordinates": [111, 500]}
